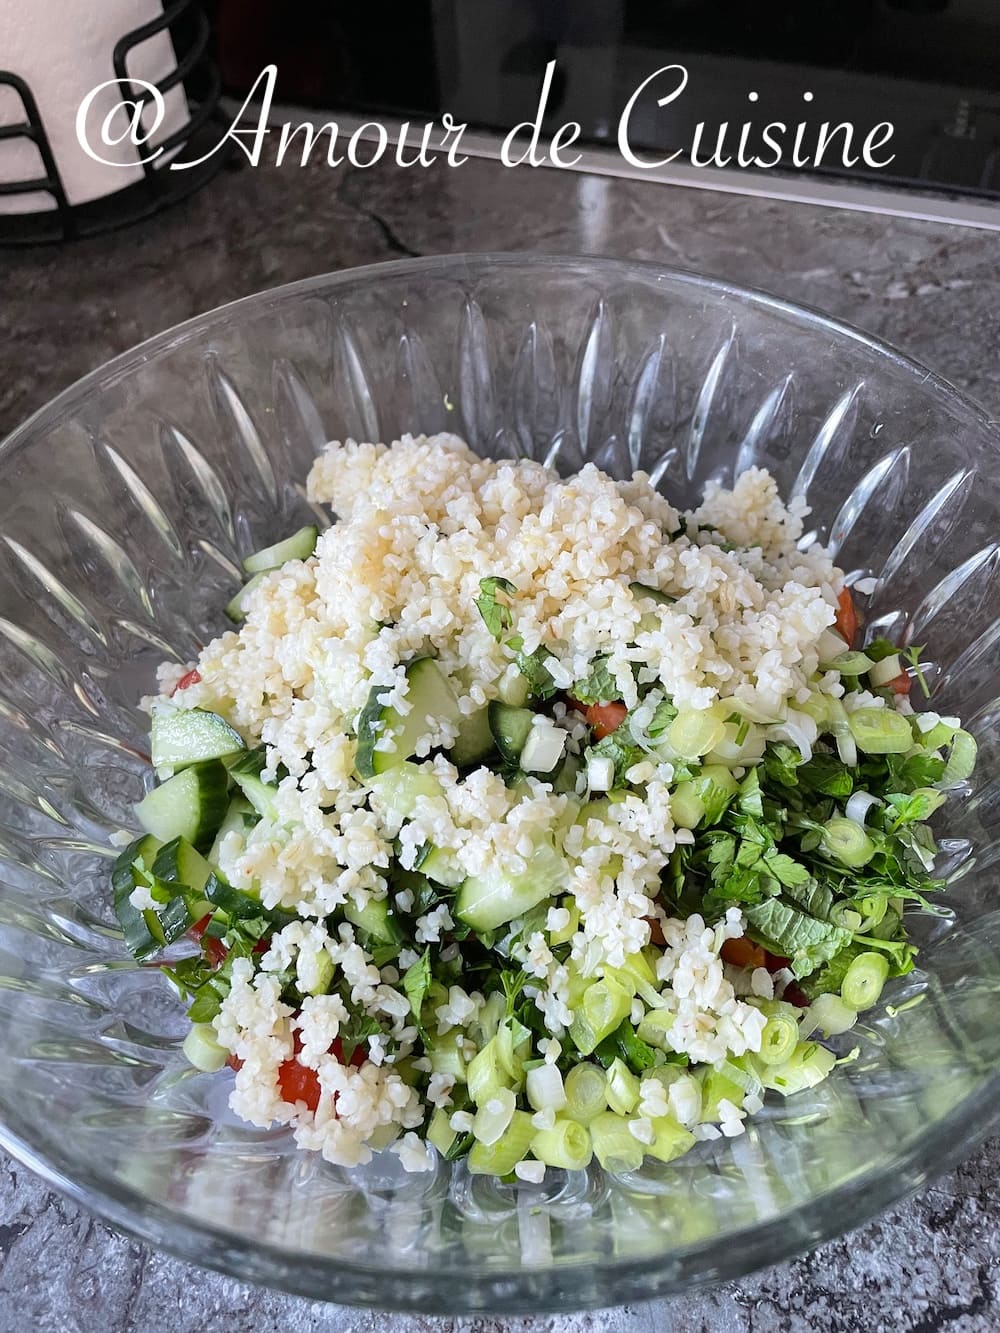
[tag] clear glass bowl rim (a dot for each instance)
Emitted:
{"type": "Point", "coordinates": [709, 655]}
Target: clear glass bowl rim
{"type": "Point", "coordinates": [525, 1290]}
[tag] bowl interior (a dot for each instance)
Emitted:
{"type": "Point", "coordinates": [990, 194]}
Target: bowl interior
{"type": "Point", "coordinates": [125, 507]}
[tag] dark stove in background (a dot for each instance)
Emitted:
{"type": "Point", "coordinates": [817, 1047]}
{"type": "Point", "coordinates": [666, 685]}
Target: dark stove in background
{"type": "Point", "coordinates": [931, 67]}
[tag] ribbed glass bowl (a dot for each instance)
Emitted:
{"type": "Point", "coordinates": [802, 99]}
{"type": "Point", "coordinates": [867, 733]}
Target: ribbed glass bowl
{"type": "Point", "coordinates": [125, 507]}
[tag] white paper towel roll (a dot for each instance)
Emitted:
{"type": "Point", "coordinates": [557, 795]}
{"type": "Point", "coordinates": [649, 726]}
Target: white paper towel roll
{"type": "Point", "coordinates": [63, 49]}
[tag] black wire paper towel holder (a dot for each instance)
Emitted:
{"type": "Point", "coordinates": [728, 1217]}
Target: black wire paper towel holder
{"type": "Point", "coordinates": [158, 189]}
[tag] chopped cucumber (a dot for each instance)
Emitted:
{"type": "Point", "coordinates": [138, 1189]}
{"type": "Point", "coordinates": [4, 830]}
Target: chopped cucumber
{"type": "Point", "coordinates": [260, 794]}
{"type": "Point", "coordinates": [510, 727]}
{"type": "Point", "coordinates": [475, 739]}
{"type": "Point", "coordinates": [182, 736]}
{"type": "Point", "coordinates": [398, 789]}
{"type": "Point", "coordinates": [177, 862]}
{"type": "Point", "coordinates": [439, 866]}
{"type": "Point", "coordinates": [431, 699]}
{"type": "Point", "coordinates": [299, 546]}
{"type": "Point", "coordinates": [236, 609]}
{"type": "Point", "coordinates": [133, 867]}
{"type": "Point", "coordinates": [190, 805]}
{"type": "Point", "coordinates": [240, 817]}
{"type": "Point", "coordinates": [492, 899]}
{"type": "Point", "coordinates": [376, 919]}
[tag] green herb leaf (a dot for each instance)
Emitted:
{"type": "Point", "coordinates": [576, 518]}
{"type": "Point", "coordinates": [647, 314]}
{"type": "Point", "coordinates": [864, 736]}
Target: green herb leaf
{"type": "Point", "coordinates": [532, 666]}
{"type": "Point", "coordinates": [787, 931]}
{"type": "Point", "coordinates": [598, 687]}
{"type": "Point", "coordinates": [493, 604]}
{"type": "Point", "coordinates": [417, 982]}
{"type": "Point", "coordinates": [356, 1030]}
{"type": "Point", "coordinates": [620, 749]}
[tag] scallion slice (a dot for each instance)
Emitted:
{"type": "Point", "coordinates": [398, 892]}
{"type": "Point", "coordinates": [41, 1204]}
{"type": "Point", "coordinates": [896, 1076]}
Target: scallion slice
{"type": "Point", "coordinates": [880, 731]}
{"type": "Point", "coordinates": [864, 979]}
{"type": "Point", "coordinates": [846, 841]}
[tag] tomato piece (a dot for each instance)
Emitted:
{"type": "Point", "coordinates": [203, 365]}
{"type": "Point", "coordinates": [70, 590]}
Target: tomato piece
{"type": "Point", "coordinates": [900, 684]}
{"type": "Point", "coordinates": [655, 931]}
{"type": "Point", "coordinates": [606, 718]}
{"type": "Point", "coordinates": [847, 617]}
{"type": "Point", "coordinates": [215, 951]}
{"type": "Point", "coordinates": [196, 931]}
{"type": "Point", "coordinates": [298, 1083]}
{"type": "Point", "coordinates": [358, 1055]}
{"type": "Point", "coordinates": [742, 952]}
{"type": "Point", "coordinates": [234, 1062]}
{"type": "Point", "coordinates": [792, 992]}
{"type": "Point", "coordinates": [191, 677]}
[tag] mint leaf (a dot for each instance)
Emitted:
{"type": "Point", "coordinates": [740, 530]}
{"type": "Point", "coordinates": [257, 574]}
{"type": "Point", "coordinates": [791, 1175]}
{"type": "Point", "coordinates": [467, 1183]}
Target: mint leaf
{"type": "Point", "coordinates": [598, 687]}
{"type": "Point", "coordinates": [417, 982]}
{"type": "Point", "coordinates": [663, 714]}
{"type": "Point", "coordinates": [357, 1028]}
{"type": "Point", "coordinates": [493, 604]}
{"type": "Point", "coordinates": [787, 931]}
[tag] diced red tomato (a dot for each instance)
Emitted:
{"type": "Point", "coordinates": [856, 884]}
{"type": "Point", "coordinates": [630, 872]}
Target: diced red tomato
{"type": "Point", "coordinates": [900, 684]}
{"type": "Point", "coordinates": [215, 951]}
{"type": "Point", "coordinates": [847, 617]}
{"type": "Point", "coordinates": [793, 993]}
{"type": "Point", "coordinates": [191, 677]}
{"type": "Point", "coordinates": [742, 952]}
{"type": "Point", "coordinates": [606, 718]}
{"type": "Point", "coordinates": [298, 1083]}
{"type": "Point", "coordinates": [655, 931]}
{"type": "Point", "coordinates": [198, 929]}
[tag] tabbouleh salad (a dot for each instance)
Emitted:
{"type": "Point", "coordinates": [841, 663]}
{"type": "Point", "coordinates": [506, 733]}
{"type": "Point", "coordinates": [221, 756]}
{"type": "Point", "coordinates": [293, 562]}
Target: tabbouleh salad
{"type": "Point", "coordinates": [529, 821]}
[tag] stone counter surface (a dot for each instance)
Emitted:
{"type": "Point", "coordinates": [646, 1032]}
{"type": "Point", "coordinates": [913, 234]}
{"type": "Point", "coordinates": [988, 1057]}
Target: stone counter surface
{"type": "Point", "coordinates": [933, 1262]}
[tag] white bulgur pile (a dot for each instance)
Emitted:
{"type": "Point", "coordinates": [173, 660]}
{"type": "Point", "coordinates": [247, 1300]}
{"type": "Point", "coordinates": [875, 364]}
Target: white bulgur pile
{"type": "Point", "coordinates": [419, 524]}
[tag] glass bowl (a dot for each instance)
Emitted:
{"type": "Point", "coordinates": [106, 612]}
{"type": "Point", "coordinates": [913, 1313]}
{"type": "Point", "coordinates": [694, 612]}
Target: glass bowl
{"type": "Point", "coordinates": [125, 506]}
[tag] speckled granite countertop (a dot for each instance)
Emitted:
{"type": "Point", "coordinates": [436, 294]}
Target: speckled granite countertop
{"type": "Point", "coordinates": [934, 1262]}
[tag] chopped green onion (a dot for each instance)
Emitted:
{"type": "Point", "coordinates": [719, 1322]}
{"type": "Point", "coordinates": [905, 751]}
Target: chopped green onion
{"type": "Point", "coordinates": [615, 1147]}
{"type": "Point", "coordinates": [671, 1139]}
{"type": "Point", "coordinates": [831, 1015]}
{"type": "Point", "coordinates": [880, 731]}
{"type": "Point", "coordinates": [845, 841]}
{"type": "Point", "coordinates": [778, 1040]}
{"type": "Point", "coordinates": [622, 1089]}
{"type": "Point", "coordinates": [864, 979]}
{"type": "Point", "coordinates": [694, 732]}
{"type": "Point", "coordinates": [566, 1145]}
{"type": "Point", "coordinates": [440, 1132]}
{"type": "Point", "coordinates": [654, 1026]}
{"type": "Point", "coordinates": [586, 1092]}
{"type": "Point", "coordinates": [808, 1065]}
{"type": "Point", "coordinates": [850, 664]}
{"type": "Point", "coordinates": [888, 669]}
{"type": "Point", "coordinates": [544, 1088]}
{"type": "Point", "coordinates": [484, 1075]}
{"type": "Point", "coordinates": [961, 759]}
{"type": "Point", "coordinates": [201, 1049]}
{"type": "Point", "coordinates": [605, 1004]}
{"type": "Point", "coordinates": [493, 1116]}
{"type": "Point", "coordinates": [500, 1158]}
